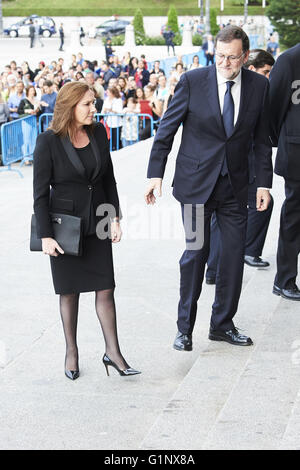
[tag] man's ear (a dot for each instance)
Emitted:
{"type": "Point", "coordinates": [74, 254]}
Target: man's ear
{"type": "Point", "coordinates": [246, 56]}
{"type": "Point", "coordinates": [251, 67]}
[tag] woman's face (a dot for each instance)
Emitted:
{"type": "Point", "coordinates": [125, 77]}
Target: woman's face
{"type": "Point", "coordinates": [139, 93]}
{"type": "Point", "coordinates": [85, 109]}
{"type": "Point", "coordinates": [148, 93]}
{"type": "Point", "coordinates": [31, 93]}
{"type": "Point", "coordinates": [110, 96]}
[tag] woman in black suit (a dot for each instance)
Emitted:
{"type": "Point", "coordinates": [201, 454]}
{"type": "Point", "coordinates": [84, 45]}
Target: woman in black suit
{"type": "Point", "coordinates": [73, 174]}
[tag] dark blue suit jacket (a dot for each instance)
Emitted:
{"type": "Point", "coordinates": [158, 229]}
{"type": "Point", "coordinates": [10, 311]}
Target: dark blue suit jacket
{"type": "Point", "coordinates": [204, 142]}
{"type": "Point", "coordinates": [285, 113]}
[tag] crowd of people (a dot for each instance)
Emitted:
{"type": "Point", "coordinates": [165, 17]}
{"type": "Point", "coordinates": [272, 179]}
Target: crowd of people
{"type": "Point", "coordinates": [125, 86]}
{"type": "Point", "coordinates": [122, 85]}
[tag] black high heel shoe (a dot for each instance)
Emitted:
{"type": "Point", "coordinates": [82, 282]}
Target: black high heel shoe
{"type": "Point", "coordinates": [107, 362]}
{"type": "Point", "coordinates": [72, 374]}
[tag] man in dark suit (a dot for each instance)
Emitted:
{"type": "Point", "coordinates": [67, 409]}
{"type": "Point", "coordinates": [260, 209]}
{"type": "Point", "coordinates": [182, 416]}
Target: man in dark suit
{"type": "Point", "coordinates": [259, 61]}
{"type": "Point", "coordinates": [223, 108]}
{"type": "Point", "coordinates": [285, 125]}
{"type": "Point", "coordinates": [31, 33]}
{"type": "Point", "coordinates": [61, 36]}
{"type": "Point", "coordinates": [209, 50]}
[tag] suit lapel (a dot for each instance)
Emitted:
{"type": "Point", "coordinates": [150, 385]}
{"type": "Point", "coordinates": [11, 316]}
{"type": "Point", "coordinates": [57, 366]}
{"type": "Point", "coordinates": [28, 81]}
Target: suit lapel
{"type": "Point", "coordinates": [96, 154]}
{"type": "Point", "coordinates": [247, 92]}
{"type": "Point", "coordinates": [212, 93]}
{"type": "Point", "coordinates": [75, 160]}
{"type": "Point", "coordinates": [73, 156]}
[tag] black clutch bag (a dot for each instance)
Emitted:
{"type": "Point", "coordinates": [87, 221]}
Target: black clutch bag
{"type": "Point", "coordinates": [67, 231]}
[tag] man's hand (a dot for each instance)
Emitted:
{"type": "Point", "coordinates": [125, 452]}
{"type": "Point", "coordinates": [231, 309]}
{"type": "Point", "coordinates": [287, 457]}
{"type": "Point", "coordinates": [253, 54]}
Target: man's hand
{"type": "Point", "coordinates": [155, 183]}
{"type": "Point", "coordinates": [263, 199]}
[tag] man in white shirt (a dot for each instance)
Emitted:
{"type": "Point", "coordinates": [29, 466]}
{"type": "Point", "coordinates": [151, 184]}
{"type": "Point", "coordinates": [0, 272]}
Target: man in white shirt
{"type": "Point", "coordinates": [223, 109]}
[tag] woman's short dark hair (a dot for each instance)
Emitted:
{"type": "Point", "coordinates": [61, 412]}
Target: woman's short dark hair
{"type": "Point", "coordinates": [28, 88]}
{"type": "Point", "coordinates": [232, 32]}
{"type": "Point", "coordinates": [259, 58]}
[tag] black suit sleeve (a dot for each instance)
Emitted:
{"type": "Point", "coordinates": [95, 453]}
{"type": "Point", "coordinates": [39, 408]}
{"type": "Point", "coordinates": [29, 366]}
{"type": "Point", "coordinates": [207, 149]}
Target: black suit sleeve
{"type": "Point", "coordinates": [262, 144]}
{"type": "Point", "coordinates": [42, 176]}
{"type": "Point", "coordinates": [280, 95]}
{"type": "Point", "coordinates": [109, 182]}
{"type": "Point", "coordinates": [167, 129]}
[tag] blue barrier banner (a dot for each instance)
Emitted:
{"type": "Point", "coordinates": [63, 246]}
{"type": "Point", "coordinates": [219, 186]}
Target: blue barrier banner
{"type": "Point", "coordinates": [18, 140]}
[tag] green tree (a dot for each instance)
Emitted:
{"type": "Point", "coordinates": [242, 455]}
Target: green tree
{"type": "Point", "coordinates": [138, 25]}
{"type": "Point", "coordinates": [173, 19]}
{"type": "Point", "coordinates": [214, 28]}
{"type": "Point", "coordinates": [285, 17]}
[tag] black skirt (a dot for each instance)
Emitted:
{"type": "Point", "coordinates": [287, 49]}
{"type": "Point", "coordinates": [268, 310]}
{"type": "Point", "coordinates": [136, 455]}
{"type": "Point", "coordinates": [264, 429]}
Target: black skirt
{"type": "Point", "coordinates": [90, 272]}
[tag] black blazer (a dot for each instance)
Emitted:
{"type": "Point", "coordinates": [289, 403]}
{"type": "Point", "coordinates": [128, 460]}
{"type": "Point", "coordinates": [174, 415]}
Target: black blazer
{"type": "Point", "coordinates": [285, 112]}
{"type": "Point", "coordinates": [204, 143]}
{"type": "Point", "coordinates": [60, 183]}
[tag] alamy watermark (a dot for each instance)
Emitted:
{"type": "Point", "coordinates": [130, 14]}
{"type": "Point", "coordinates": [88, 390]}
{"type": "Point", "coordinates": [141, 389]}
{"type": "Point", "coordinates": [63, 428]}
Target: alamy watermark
{"type": "Point", "coordinates": [164, 222]}
{"type": "Point", "coordinates": [296, 94]}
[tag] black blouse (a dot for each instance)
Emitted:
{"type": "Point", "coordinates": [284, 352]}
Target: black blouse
{"type": "Point", "coordinates": [87, 159]}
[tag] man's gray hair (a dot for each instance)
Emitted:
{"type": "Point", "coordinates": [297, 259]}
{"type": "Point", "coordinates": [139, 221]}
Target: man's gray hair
{"type": "Point", "coordinates": [229, 33]}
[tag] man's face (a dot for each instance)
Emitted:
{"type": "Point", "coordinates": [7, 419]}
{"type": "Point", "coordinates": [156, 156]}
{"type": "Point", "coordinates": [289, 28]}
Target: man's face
{"type": "Point", "coordinates": [230, 68]}
{"type": "Point", "coordinates": [20, 88]}
{"type": "Point", "coordinates": [112, 82]}
{"type": "Point", "coordinates": [162, 81]}
{"type": "Point", "coordinates": [153, 79]}
{"type": "Point", "coordinates": [265, 70]}
{"type": "Point", "coordinates": [90, 80]}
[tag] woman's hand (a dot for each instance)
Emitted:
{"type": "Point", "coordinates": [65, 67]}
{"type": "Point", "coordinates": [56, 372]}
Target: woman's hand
{"type": "Point", "coordinates": [116, 232]}
{"type": "Point", "coordinates": [49, 247]}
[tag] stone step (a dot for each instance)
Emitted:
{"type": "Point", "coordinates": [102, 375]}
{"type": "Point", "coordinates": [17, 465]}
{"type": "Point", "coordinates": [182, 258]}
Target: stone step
{"type": "Point", "coordinates": [190, 416]}
{"type": "Point", "coordinates": [258, 410]}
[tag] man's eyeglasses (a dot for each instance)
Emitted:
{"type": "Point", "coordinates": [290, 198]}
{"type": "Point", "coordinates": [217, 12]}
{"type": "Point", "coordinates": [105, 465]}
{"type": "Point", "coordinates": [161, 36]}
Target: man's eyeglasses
{"type": "Point", "coordinates": [231, 58]}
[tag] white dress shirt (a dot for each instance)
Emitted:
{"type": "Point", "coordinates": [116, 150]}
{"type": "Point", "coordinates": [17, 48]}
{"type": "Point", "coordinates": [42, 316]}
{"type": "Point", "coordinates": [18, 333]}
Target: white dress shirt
{"type": "Point", "coordinates": [235, 92]}
{"type": "Point", "coordinates": [236, 95]}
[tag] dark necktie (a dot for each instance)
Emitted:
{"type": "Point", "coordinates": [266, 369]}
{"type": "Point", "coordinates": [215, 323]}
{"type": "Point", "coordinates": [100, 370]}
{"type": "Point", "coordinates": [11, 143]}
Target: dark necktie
{"type": "Point", "coordinates": [228, 110]}
{"type": "Point", "coordinates": [228, 118]}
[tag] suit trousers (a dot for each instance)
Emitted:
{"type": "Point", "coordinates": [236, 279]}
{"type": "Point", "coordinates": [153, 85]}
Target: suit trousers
{"type": "Point", "coordinates": [257, 228]}
{"type": "Point", "coordinates": [289, 236]}
{"type": "Point", "coordinates": [232, 221]}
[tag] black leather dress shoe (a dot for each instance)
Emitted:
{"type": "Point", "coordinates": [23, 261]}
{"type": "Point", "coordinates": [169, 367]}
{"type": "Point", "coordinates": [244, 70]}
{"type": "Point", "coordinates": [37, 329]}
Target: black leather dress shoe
{"type": "Point", "coordinates": [183, 342]}
{"type": "Point", "coordinates": [231, 336]}
{"type": "Point", "coordinates": [210, 280]}
{"type": "Point", "coordinates": [255, 262]}
{"type": "Point", "coordinates": [293, 293]}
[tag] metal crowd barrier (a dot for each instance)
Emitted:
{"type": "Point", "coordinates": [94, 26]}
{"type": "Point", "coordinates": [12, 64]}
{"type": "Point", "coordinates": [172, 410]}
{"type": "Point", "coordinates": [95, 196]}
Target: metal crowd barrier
{"type": "Point", "coordinates": [142, 119]}
{"type": "Point", "coordinates": [45, 119]}
{"type": "Point", "coordinates": [18, 141]}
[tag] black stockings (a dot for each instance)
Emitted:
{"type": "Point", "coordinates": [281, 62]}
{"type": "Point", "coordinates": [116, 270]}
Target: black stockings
{"type": "Point", "coordinates": [106, 311]}
{"type": "Point", "coordinates": [105, 308]}
{"type": "Point", "coordinates": [69, 313]}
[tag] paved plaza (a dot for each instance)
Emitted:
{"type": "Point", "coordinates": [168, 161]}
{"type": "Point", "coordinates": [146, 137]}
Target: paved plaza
{"type": "Point", "coordinates": [216, 397]}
